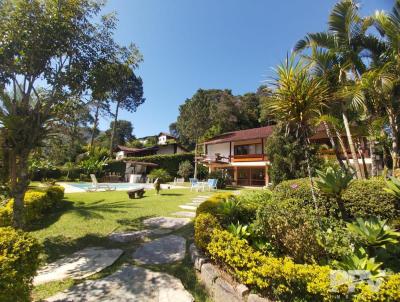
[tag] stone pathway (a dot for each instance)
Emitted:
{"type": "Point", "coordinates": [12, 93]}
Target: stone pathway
{"type": "Point", "coordinates": [186, 207]}
{"type": "Point", "coordinates": [128, 284]}
{"type": "Point", "coordinates": [166, 222]}
{"type": "Point", "coordinates": [125, 237]}
{"type": "Point", "coordinates": [79, 265]}
{"type": "Point", "coordinates": [160, 251]}
{"type": "Point", "coordinates": [185, 214]}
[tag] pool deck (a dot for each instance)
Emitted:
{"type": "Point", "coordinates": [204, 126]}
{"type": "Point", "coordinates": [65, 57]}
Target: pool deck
{"type": "Point", "coordinates": [72, 189]}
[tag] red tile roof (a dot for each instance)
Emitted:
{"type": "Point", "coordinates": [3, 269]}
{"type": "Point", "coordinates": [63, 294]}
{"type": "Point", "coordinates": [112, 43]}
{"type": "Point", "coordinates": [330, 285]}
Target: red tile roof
{"type": "Point", "coordinates": [255, 133]}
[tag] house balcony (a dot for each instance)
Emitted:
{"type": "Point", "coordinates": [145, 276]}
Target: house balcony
{"type": "Point", "coordinates": [232, 159]}
{"type": "Point", "coordinates": [248, 158]}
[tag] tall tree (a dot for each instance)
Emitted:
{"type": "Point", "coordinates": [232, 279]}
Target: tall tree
{"type": "Point", "coordinates": [48, 48]}
{"type": "Point", "coordinates": [126, 88]}
{"type": "Point", "coordinates": [346, 38]}
{"type": "Point", "coordinates": [297, 102]}
{"type": "Point", "coordinates": [123, 131]}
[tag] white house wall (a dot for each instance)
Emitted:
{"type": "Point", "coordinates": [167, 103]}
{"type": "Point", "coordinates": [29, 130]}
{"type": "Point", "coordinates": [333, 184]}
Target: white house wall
{"type": "Point", "coordinates": [222, 149]}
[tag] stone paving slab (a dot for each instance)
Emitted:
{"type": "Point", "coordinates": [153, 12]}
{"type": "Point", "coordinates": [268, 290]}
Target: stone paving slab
{"type": "Point", "coordinates": [185, 214]}
{"type": "Point", "coordinates": [79, 265]}
{"type": "Point", "coordinates": [191, 204]}
{"type": "Point", "coordinates": [173, 223]}
{"type": "Point", "coordinates": [125, 237]}
{"type": "Point", "coordinates": [128, 284]}
{"type": "Point", "coordinates": [167, 249]}
{"type": "Point", "coordinates": [185, 207]}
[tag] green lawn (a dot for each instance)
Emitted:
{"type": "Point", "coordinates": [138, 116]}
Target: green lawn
{"type": "Point", "coordinates": [85, 219]}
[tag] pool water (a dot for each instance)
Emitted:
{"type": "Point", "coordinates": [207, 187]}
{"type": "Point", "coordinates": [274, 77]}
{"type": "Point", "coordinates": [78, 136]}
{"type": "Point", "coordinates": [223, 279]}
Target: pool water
{"type": "Point", "coordinates": [118, 186]}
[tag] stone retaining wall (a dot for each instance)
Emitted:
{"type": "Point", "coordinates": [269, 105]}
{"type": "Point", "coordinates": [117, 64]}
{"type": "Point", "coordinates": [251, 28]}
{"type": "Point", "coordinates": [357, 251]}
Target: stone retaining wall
{"type": "Point", "coordinates": [220, 289]}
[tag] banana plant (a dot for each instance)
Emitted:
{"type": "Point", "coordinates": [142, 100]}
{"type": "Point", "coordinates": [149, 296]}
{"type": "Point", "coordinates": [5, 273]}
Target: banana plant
{"type": "Point", "coordinates": [393, 187]}
{"type": "Point", "coordinates": [373, 232]}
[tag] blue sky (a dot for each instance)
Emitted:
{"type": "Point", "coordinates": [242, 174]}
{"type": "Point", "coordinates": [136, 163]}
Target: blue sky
{"type": "Point", "coordinates": [222, 44]}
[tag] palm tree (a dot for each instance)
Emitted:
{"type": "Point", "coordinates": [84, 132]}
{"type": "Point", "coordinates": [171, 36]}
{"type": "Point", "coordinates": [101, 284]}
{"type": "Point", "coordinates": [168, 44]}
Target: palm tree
{"type": "Point", "coordinates": [324, 65]}
{"type": "Point", "coordinates": [385, 77]}
{"type": "Point", "coordinates": [346, 38]}
{"type": "Point", "coordinates": [297, 102]}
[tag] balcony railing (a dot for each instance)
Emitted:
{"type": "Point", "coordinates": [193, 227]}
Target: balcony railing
{"type": "Point", "coordinates": [248, 158]}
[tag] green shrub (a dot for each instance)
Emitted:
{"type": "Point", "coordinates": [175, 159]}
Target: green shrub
{"type": "Point", "coordinates": [277, 278]}
{"type": "Point", "coordinates": [168, 162]}
{"type": "Point", "coordinates": [161, 174]}
{"type": "Point", "coordinates": [204, 225]}
{"type": "Point", "coordinates": [249, 202]}
{"type": "Point", "coordinates": [19, 260]}
{"type": "Point", "coordinates": [36, 203]}
{"type": "Point", "coordinates": [365, 198]}
{"type": "Point", "coordinates": [185, 169]}
{"type": "Point", "coordinates": [296, 188]}
{"type": "Point", "coordinates": [55, 193]}
{"type": "Point", "coordinates": [291, 226]}
{"type": "Point", "coordinates": [6, 213]}
{"type": "Point", "coordinates": [389, 291]}
{"type": "Point", "coordinates": [212, 204]}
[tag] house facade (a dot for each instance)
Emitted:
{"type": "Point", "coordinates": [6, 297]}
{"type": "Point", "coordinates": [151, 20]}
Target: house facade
{"type": "Point", "coordinates": [166, 145]}
{"type": "Point", "coordinates": [241, 154]}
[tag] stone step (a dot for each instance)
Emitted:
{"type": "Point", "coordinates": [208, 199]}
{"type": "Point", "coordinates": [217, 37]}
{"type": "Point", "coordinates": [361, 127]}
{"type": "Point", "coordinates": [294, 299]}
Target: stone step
{"type": "Point", "coordinates": [79, 265]}
{"type": "Point", "coordinates": [185, 214]}
{"type": "Point", "coordinates": [188, 207]}
{"type": "Point", "coordinates": [129, 283]}
{"type": "Point", "coordinates": [136, 235]}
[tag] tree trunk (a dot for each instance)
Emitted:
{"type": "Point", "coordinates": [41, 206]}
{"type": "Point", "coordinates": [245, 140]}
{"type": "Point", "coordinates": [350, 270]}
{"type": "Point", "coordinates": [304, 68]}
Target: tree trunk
{"type": "Point", "coordinates": [334, 146]}
{"type": "Point", "coordinates": [374, 170]}
{"type": "Point", "coordinates": [114, 130]}
{"type": "Point", "coordinates": [395, 138]}
{"type": "Point", "coordinates": [95, 122]}
{"type": "Point", "coordinates": [195, 162]}
{"type": "Point", "coordinates": [356, 164]}
{"type": "Point", "coordinates": [342, 146]}
{"type": "Point", "coordinates": [19, 184]}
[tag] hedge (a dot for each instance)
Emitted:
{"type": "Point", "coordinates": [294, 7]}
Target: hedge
{"type": "Point", "coordinates": [168, 162]}
{"type": "Point", "coordinates": [36, 204]}
{"type": "Point", "coordinates": [204, 225]}
{"type": "Point", "coordinates": [115, 166]}
{"type": "Point", "coordinates": [19, 260]}
{"type": "Point", "coordinates": [364, 198]}
{"type": "Point", "coordinates": [283, 280]}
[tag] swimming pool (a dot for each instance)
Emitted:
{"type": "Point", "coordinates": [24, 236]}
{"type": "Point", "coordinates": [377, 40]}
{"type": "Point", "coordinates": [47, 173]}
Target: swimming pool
{"type": "Point", "coordinates": [83, 186]}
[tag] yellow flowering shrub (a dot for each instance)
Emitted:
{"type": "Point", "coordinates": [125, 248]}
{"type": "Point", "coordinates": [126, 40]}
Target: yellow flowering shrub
{"type": "Point", "coordinates": [389, 291]}
{"type": "Point", "coordinates": [279, 278]}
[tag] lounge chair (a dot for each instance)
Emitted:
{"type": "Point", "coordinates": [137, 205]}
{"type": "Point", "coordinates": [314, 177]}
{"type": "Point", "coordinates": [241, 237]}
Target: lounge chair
{"type": "Point", "coordinates": [96, 186]}
{"type": "Point", "coordinates": [212, 184]}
